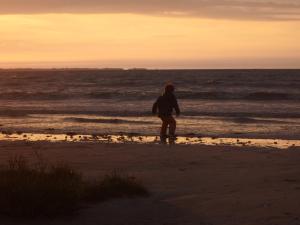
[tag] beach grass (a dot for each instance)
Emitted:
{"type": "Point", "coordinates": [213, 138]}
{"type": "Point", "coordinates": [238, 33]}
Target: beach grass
{"type": "Point", "coordinates": [47, 190]}
{"type": "Point", "coordinates": [115, 185]}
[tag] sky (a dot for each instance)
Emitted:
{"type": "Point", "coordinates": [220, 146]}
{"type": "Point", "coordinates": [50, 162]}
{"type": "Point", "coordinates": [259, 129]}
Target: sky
{"type": "Point", "coordinates": [150, 34]}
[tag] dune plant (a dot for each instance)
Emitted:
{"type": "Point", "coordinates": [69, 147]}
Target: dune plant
{"type": "Point", "coordinates": [114, 185]}
{"type": "Point", "coordinates": [48, 190]}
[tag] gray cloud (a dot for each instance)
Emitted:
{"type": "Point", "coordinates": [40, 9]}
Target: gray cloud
{"type": "Point", "coordinates": [230, 9]}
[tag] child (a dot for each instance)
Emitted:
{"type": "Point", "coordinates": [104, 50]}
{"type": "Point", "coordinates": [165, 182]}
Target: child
{"type": "Point", "coordinates": [165, 105]}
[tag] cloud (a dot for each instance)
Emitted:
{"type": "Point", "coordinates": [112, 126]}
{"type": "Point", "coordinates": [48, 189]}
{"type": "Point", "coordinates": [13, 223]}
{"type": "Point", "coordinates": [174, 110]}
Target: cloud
{"type": "Point", "coordinates": [229, 9]}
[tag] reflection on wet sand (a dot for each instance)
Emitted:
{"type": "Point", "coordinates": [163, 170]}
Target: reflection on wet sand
{"type": "Point", "coordinates": [136, 139]}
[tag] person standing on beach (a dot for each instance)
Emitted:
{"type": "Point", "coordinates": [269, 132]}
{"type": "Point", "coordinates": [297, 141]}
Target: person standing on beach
{"type": "Point", "coordinates": [165, 105]}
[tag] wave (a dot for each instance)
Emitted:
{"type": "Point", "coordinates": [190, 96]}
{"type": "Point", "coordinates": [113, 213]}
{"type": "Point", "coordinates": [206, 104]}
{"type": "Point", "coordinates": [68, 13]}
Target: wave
{"type": "Point", "coordinates": [249, 120]}
{"type": "Point", "coordinates": [33, 96]}
{"type": "Point", "coordinates": [114, 121]}
{"type": "Point", "coordinates": [255, 96]}
{"type": "Point", "coordinates": [263, 96]}
{"type": "Point", "coordinates": [204, 95]}
{"type": "Point", "coordinates": [122, 95]}
{"type": "Point", "coordinates": [136, 95]}
{"type": "Point", "coordinates": [245, 114]}
{"type": "Point", "coordinates": [239, 115]}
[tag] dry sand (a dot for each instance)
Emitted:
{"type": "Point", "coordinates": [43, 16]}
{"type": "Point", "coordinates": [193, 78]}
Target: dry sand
{"type": "Point", "coordinates": [213, 185]}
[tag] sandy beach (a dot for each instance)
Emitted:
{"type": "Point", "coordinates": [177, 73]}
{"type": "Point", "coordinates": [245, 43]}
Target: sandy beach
{"type": "Point", "coordinates": [189, 184]}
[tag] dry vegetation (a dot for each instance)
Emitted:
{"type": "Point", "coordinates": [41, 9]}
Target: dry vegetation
{"type": "Point", "coordinates": [47, 190]}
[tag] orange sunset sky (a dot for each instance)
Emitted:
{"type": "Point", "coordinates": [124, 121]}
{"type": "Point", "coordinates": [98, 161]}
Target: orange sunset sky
{"type": "Point", "coordinates": [152, 34]}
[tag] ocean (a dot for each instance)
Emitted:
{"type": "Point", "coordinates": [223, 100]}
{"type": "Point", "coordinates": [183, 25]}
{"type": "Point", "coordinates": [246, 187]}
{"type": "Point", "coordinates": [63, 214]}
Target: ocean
{"type": "Point", "coordinates": [214, 103]}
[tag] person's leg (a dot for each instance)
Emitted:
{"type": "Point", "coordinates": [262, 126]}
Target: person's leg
{"type": "Point", "coordinates": [172, 125]}
{"type": "Point", "coordinates": [164, 126]}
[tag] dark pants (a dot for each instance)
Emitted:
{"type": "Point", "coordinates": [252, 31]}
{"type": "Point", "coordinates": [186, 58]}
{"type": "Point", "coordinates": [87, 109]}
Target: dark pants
{"type": "Point", "coordinates": [167, 121]}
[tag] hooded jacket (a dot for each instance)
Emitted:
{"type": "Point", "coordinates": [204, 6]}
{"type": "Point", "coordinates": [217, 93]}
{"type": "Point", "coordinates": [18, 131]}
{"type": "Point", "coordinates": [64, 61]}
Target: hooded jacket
{"type": "Point", "coordinates": [165, 105]}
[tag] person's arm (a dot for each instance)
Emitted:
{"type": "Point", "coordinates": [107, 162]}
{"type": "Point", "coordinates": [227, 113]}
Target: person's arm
{"type": "Point", "coordinates": [154, 107]}
{"type": "Point", "coordinates": [176, 107]}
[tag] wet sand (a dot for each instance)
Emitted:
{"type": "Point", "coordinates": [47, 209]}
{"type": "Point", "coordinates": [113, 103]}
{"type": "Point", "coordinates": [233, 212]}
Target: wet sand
{"type": "Point", "coordinates": [190, 184]}
{"type": "Point", "coordinates": [140, 139]}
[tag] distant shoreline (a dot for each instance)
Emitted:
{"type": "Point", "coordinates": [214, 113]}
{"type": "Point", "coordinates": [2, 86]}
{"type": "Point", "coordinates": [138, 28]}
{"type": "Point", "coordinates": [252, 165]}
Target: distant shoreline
{"type": "Point", "coordinates": [141, 69]}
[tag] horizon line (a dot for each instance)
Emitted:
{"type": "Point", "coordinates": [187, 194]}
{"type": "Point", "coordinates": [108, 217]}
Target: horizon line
{"type": "Point", "coordinates": [137, 68]}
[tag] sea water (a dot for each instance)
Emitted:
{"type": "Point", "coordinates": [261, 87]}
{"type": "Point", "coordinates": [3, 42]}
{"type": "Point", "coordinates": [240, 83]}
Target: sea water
{"type": "Point", "coordinates": [262, 104]}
